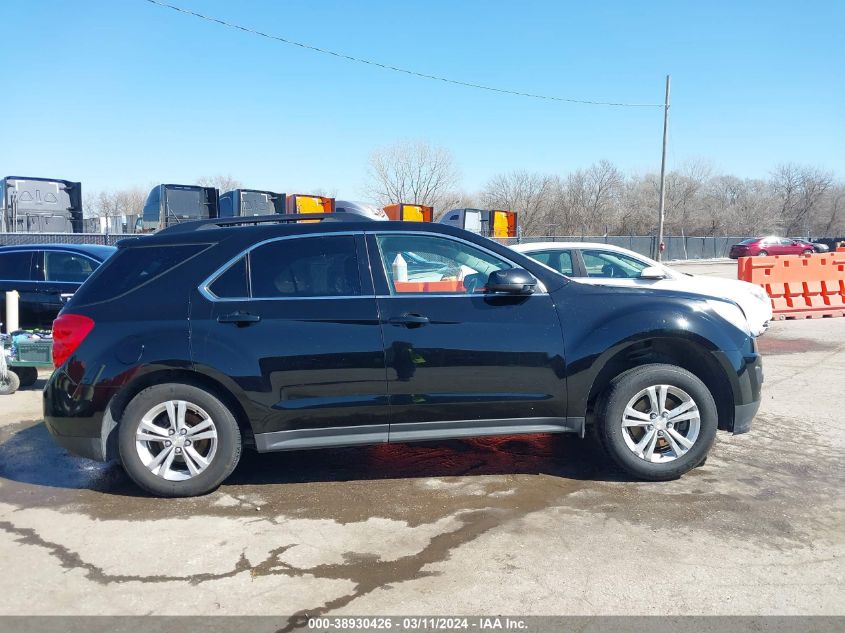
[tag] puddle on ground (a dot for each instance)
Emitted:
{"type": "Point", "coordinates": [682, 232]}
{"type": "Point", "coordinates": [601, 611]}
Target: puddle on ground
{"type": "Point", "coordinates": [752, 484]}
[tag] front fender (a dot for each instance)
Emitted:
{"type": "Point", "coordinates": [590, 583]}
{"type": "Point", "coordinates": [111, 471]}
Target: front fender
{"type": "Point", "coordinates": [600, 323]}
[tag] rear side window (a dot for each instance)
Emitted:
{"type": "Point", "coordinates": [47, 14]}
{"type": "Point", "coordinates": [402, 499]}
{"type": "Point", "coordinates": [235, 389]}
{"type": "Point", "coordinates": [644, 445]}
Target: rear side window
{"type": "Point", "coordinates": [325, 266]}
{"type": "Point", "coordinates": [561, 261]}
{"type": "Point", "coordinates": [131, 268]}
{"type": "Point", "coordinates": [15, 266]}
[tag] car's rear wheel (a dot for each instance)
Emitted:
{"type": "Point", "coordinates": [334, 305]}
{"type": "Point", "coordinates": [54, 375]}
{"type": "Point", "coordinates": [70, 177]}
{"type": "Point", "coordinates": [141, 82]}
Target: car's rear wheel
{"type": "Point", "coordinates": [178, 440]}
{"type": "Point", "coordinates": [762, 254]}
{"type": "Point", "coordinates": [657, 421]}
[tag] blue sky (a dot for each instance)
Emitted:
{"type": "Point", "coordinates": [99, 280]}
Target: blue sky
{"type": "Point", "coordinates": [117, 93]}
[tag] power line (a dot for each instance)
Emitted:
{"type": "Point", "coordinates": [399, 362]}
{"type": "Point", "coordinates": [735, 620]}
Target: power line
{"type": "Point", "coordinates": [465, 84]}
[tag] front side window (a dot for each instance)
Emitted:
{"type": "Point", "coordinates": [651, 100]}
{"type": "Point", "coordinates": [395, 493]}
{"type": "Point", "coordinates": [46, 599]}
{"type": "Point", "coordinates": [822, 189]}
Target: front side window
{"type": "Point", "coordinates": [433, 264]}
{"type": "Point", "coordinates": [611, 264]}
{"type": "Point", "coordinates": [68, 267]}
{"type": "Point", "coordinates": [324, 266]}
{"type": "Point", "coordinates": [561, 261]}
{"type": "Point", "coordinates": [15, 266]}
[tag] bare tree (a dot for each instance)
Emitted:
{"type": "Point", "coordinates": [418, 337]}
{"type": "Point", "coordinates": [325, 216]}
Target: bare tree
{"type": "Point", "coordinates": [223, 182]}
{"type": "Point", "coordinates": [799, 191]}
{"type": "Point", "coordinates": [413, 172]}
{"type": "Point", "coordinates": [117, 205]}
{"type": "Point", "coordinates": [588, 200]}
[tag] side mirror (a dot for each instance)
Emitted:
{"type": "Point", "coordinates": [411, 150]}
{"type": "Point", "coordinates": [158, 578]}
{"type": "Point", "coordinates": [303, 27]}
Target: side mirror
{"type": "Point", "coordinates": [512, 281]}
{"type": "Point", "coordinates": [652, 272]}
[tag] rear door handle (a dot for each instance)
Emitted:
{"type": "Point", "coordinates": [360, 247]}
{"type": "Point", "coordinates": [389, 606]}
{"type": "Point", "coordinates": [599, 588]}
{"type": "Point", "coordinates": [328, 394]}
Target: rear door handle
{"type": "Point", "coordinates": [409, 320]}
{"type": "Point", "coordinates": [240, 319]}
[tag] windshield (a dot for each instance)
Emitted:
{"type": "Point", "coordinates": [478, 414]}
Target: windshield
{"type": "Point", "coordinates": [750, 240]}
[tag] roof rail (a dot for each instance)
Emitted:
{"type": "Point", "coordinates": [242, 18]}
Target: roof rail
{"type": "Point", "coordinates": [278, 218]}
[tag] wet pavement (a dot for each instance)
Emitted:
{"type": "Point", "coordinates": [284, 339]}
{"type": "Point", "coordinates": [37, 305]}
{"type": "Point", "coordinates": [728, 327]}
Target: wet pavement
{"type": "Point", "coordinates": [523, 525]}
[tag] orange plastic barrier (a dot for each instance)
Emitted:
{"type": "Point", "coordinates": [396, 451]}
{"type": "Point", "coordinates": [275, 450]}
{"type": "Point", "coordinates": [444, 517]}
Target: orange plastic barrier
{"type": "Point", "coordinates": [410, 212]}
{"type": "Point", "coordinates": [450, 285]}
{"type": "Point", "coordinates": [800, 286]}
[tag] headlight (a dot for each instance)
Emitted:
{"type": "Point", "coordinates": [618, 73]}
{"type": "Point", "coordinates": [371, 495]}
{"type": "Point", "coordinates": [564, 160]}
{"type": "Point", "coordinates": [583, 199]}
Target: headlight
{"type": "Point", "coordinates": [731, 313]}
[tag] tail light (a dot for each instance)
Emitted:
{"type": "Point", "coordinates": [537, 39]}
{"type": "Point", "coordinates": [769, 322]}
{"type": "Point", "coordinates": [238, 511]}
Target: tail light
{"type": "Point", "coordinates": [69, 330]}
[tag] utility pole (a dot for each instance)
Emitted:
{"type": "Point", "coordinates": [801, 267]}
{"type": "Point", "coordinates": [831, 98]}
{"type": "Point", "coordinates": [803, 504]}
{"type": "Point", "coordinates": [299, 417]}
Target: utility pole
{"type": "Point", "coordinates": [662, 209]}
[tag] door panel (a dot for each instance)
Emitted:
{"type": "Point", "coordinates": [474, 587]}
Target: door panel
{"type": "Point", "coordinates": [307, 367]}
{"type": "Point", "coordinates": [471, 359]}
{"type": "Point", "coordinates": [477, 358]}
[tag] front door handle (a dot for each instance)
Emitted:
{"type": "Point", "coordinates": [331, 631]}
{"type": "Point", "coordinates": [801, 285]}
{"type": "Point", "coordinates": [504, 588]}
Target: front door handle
{"type": "Point", "coordinates": [409, 320]}
{"type": "Point", "coordinates": [241, 319]}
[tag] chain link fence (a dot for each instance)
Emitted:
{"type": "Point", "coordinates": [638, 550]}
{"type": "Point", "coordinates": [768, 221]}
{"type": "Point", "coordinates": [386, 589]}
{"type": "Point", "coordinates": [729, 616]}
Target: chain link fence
{"type": "Point", "coordinates": [24, 239]}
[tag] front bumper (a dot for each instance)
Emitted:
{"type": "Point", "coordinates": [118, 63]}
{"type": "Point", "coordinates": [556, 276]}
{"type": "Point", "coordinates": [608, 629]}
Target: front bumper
{"type": "Point", "coordinates": [743, 415]}
{"type": "Point", "coordinates": [744, 369]}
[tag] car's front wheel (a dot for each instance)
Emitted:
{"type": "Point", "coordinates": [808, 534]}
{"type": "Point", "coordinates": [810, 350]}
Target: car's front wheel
{"type": "Point", "coordinates": [657, 421]}
{"type": "Point", "coordinates": [762, 254]}
{"type": "Point", "coordinates": [178, 440]}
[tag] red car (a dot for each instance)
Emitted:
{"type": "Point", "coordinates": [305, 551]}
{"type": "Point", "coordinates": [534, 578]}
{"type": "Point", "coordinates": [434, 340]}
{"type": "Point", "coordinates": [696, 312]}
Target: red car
{"type": "Point", "coordinates": [770, 246]}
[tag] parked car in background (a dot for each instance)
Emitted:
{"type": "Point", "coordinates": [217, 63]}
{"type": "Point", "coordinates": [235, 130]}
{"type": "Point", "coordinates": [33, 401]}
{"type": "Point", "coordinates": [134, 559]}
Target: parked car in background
{"type": "Point", "coordinates": [771, 245]}
{"type": "Point", "coordinates": [603, 264]}
{"type": "Point", "coordinates": [45, 275]}
{"type": "Point", "coordinates": [209, 337]}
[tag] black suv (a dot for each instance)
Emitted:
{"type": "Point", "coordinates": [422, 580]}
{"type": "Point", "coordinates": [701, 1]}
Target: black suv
{"type": "Point", "coordinates": [278, 334]}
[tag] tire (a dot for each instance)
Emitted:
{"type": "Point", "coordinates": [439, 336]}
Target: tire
{"type": "Point", "coordinates": [160, 466]}
{"type": "Point", "coordinates": [762, 254]}
{"type": "Point", "coordinates": [669, 458]}
{"type": "Point", "coordinates": [27, 375]}
{"type": "Point", "coordinates": [10, 384]}
{"type": "Point", "coordinates": [809, 251]}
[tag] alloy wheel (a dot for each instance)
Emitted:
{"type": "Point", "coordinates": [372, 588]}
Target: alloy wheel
{"type": "Point", "coordinates": [661, 423]}
{"type": "Point", "coordinates": [176, 440]}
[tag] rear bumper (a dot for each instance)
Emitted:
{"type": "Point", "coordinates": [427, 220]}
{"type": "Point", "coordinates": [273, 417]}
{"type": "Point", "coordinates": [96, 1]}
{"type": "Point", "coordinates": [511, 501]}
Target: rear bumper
{"type": "Point", "coordinates": [77, 416]}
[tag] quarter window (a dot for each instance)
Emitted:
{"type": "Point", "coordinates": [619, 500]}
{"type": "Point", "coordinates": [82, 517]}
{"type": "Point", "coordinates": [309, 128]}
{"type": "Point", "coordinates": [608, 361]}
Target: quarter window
{"type": "Point", "coordinates": [610, 264]}
{"type": "Point", "coordinates": [325, 266]}
{"type": "Point", "coordinates": [431, 264]}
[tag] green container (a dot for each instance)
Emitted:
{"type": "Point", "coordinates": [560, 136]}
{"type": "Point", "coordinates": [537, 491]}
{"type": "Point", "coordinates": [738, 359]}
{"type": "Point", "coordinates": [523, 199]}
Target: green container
{"type": "Point", "coordinates": [35, 352]}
